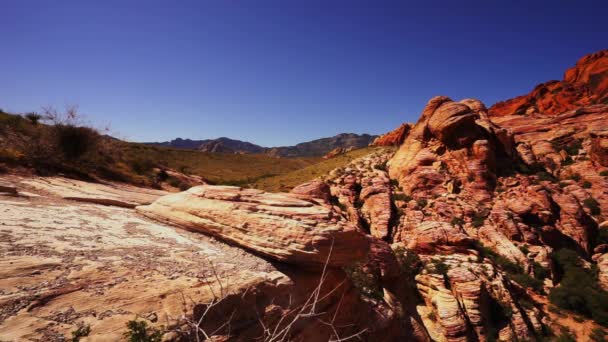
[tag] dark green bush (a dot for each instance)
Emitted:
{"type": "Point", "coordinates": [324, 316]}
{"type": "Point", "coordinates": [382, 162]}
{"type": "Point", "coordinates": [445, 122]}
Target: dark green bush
{"type": "Point", "coordinates": [598, 335]}
{"type": "Point", "coordinates": [75, 141]}
{"type": "Point", "coordinates": [604, 173]}
{"type": "Point", "coordinates": [80, 332]}
{"type": "Point", "coordinates": [578, 290]}
{"type": "Point", "coordinates": [33, 117]}
{"type": "Point", "coordinates": [402, 197]}
{"type": "Point", "coordinates": [592, 205]}
{"type": "Point", "coordinates": [587, 184]}
{"type": "Point", "coordinates": [422, 202]}
{"type": "Point", "coordinates": [545, 176]}
{"type": "Point", "coordinates": [567, 161]}
{"type": "Point", "coordinates": [574, 147]}
{"type": "Point", "coordinates": [367, 283]}
{"type": "Point", "coordinates": [457, 221]}
{"type": "Point", "coordinates": [138, 331]}
{"type": "Point", "coordinates": [575, 177]}
{"type": "Point", "coordinates": [381, 166]}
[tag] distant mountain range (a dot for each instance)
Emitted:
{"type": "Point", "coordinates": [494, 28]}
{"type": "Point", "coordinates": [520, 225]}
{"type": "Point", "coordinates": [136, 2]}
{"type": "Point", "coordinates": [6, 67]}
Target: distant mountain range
{"type": "Point", "coordinates": [314, 148]}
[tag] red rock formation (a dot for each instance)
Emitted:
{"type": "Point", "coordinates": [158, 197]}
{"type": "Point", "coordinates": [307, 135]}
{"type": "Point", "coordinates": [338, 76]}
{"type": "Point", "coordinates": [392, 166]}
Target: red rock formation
{"type": "Point", "coordinates": [584, 84]}
{"type": "Point", "coordinates": [393, 138]}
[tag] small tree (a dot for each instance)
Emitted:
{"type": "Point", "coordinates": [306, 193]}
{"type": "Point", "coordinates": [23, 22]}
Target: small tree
{"type": "Point", "coordinates": [33, 117]}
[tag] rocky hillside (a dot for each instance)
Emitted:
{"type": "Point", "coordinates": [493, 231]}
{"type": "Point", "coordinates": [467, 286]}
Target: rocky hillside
{"type": "Point", "coordinates": [584, 84]}
{"type": "Point", "coordinates": [314, 148]}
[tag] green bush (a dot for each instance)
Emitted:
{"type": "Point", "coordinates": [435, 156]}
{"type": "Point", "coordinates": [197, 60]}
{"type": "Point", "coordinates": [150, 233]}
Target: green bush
{"type": "Point", "coordinates": [478, 220]}
{"type": "Point", "coordinates": [578, 290]}
{"type": "Point", "coordinates": [366, 282]}
{"type": "Point", "coordinates": [80, 332]}
{"type": "Point", "coordinates": [574, 147]}
{"type": "Point", "coordinates": [381, 166]}
{"type": "Point", "coordinates": [422, 202]}
{"type": "Point", "coordinates": [567, 161]}
{"type": "Point", "coordinates": [587, 184]}
{"type": "Point", "coordinates": [545, 176]}
{"type": "Point", "coordinates": [604, 173]}
{"type": "Point", "coordinates": [402, 197]}
{"type": "Point", "coordinates": [33, 117]}
{"type": "Point", "coordinates": [138, 331]}
{"type": "Point", "coordinates": [457, 221]}
{"type": "Point", "coordinates": [592, 205]}
{"type": "Point", "coordinates": [75, 141]}
{"type": "Point", "coordinates": [575, 177]}
{"type": "Point", "coordinates": [598, 335]}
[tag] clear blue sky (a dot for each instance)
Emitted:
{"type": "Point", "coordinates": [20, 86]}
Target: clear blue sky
{"type": "Point", "coordinates": [281, 72]}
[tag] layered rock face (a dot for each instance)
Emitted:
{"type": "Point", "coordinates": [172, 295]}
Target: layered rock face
{"type": "Point", "coordinates": [393, 138]}
{"type": "Point", "coordinates": [584, 84]}
{"type": "Point", "coordinates": [280, 226]}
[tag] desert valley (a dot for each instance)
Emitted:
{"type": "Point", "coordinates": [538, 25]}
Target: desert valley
{"type": "Point", "coordinates": [473, 223]}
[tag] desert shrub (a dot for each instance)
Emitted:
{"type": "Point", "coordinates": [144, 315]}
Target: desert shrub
{"type": "Point", "coordinates": [526, 280]}
{"type": "Point", "coordinates": [578, 290]}
{"type": "Point", "coordinates": [587, 184]}
{"type": "Point", "coordinates": [575, 177]}
{"type": "Point", "coordinates": [567, 161]}
{"type": "Point", "coordinates": [33, 117]}
{"type": "Point", "coordinates": [141, 166]}
{"type": "Point", "coordinates": [381, 166]}
{"type": "Point", "coordinates": [162, 175]}
{"type": "Point", "coordinates": [514, 271]}
{"type": "Point", "coordinates": [366, 282]}
{"type": "Point", "coordinates": [358, 203]}
{"type": "Point", "coordinates": [478, 221]}
{"type": "Point", "coordinates": [395, 183]}
{"type": "Point", "coordinates": [80, 332]}
{"type": "Point", "coordinates": [402, 197]}
{"type": "Point", "coordinates": [540, 272]}
{"type": "Point", "coordinates": [604, 173]}
{"type": "Point", "coordinates": [422, 202]}
{"type": "Point", "coordinates": [75, 141]}
{"type": "Point", "coordinates": [564, 336]}
{"type": "Point", "coordinates": [545, 176]}
{"type": "Point", "coordinates": [409, 262]}
{"type": "Point", "coordinates": [573, 148]}
{"type": "Point", "coordinates": [138, 331]}
{"type": "Point", "coordinates": [592, 205]}
{"type": "Point", "coordinates": [598, 335]}
{"type": "Point", "coordinates": [524, 249]}
{"type": "Point", "coordinates": [457, 221]}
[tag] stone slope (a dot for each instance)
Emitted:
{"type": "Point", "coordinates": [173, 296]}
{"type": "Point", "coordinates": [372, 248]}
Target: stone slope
{"type": "Point", "coordinates": [584, 84]}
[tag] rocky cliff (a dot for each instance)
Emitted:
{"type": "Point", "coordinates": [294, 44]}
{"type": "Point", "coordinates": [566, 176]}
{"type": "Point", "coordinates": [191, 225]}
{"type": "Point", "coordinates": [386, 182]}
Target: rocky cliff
{"type": "Point", "coordinates": [584, 84]}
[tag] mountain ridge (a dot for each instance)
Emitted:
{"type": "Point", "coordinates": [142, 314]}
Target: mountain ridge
{"type": "Point", "coordinates": [312, 148]}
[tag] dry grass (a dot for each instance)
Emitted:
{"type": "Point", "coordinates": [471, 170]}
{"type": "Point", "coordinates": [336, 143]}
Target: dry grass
{"type": "Point", "coordinates": [289, 180]}
{"type": "Point", "coordinates": [21, 143]}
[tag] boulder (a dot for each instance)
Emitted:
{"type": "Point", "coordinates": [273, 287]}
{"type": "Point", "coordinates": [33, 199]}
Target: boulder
{"type": "Point", "coordinates": [277, 225]}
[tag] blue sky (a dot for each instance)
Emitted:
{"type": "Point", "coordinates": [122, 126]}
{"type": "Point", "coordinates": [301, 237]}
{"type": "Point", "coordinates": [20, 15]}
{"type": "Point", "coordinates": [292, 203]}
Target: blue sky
{"type": "Point", "coordinates": [281, 72]}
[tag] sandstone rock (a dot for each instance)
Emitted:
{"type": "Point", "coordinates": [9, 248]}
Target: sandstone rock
{"type": "Point", "coordinates": [393, 138]}
{"type": "Point", "coordinates": [584, 84]}
{"type": "Point", "coordinates": [602, 264]}
{"type": "Point", "coordinates": [430, 236]}
{"type": "Point", "coordinates": [279, 226]}
{"type": "Point", "coordinates": [116, 194]}
{"type": "Point", "coordinates": [313, 189]}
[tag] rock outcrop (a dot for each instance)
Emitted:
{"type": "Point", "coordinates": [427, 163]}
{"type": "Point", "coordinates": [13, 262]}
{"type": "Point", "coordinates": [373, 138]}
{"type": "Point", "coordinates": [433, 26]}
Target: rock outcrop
{"type": "Point", "coordinates": [393, 138]}
{"type": "Point", "coordinates": [279, 226]}
{"type": "Point", "coordinates": [583, 85]}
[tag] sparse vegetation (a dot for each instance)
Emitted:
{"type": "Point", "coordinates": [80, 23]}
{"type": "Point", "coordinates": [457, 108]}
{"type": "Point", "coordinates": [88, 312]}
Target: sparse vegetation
{"type": "Point", "coordinates": [575, 177]}
{"type": "Point", "coordinates": [401, 197]}
{"type": "Point", "coordinates": [604, 173]}
{"type": "Point", "coordinates": [139, 331]}
{"type": "Point", "coordinates": [457, 221]}
{"type": "Point", "coordinates": [33, 117]}
{"type": "Point", "coordinates": [66, 145]}
{"type": "Point", "coordinates": [598, 335]}
{"type": "Point", "coordinates": [422, 202]}
{"type": "Point", "coordinates": [514, 271]}
{"type": "Point", "coordinates": [365, 281]}
{"type": "Point", "coordinates": [587, 185]}
{"type": "Point", "coordinates": [80, 332]}
{"type": "Point", "coordinates": [592, 205]}
{"type": "Point", "coordinates": [285, 181]}
{"type": "Point", "coordinates": [578, 290]}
